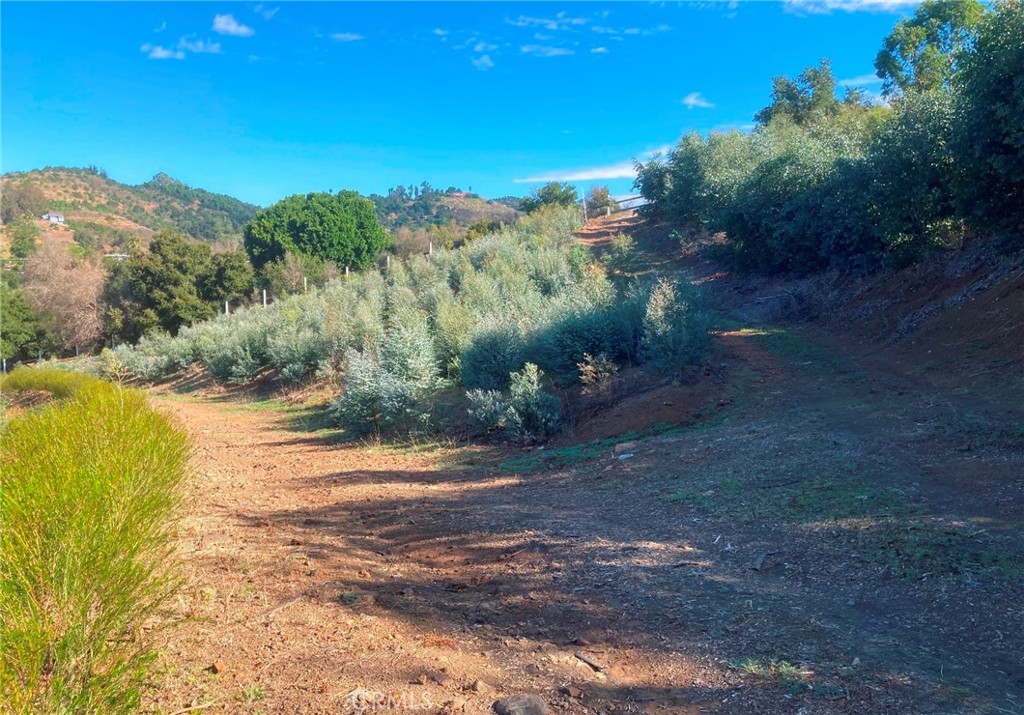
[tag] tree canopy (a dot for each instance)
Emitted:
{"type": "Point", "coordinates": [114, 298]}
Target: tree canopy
{"type": "Point", "coordinates": [342, 228]}
{"type": "Point", "coordinates": [551, 194]}
{"type": "Point", "coordinates": [990, 104]}
{"type": "Point", "coordinates": [812, 95]}
{"type": "Point", "coordinates": [922, 51]}
{"type": "Point", "coordinates": [179, 281]}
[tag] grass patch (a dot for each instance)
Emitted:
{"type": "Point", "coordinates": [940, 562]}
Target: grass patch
{"type": "Point", "coordinates": [840, 494]}
{"type": "Point", "coordinates": [791, 677]}
{"type": "Point", "coordinates": [575, 454]}
{"type": "Point", "coordinates": [918, 550]}
{"type": "Point", "coordinates": [88, 490]}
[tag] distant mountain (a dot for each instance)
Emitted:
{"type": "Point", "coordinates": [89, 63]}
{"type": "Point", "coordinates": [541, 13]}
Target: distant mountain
{"type": "Point", "coordinates": [102, 211]}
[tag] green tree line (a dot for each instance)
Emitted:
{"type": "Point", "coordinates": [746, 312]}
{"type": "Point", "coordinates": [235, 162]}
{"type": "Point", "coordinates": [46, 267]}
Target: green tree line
{"type": "Point", "coordinates": [846, 183]}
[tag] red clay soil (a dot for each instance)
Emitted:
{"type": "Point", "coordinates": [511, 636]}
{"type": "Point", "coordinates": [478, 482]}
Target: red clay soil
{"type": "Point", "coordinates": [832, 527]}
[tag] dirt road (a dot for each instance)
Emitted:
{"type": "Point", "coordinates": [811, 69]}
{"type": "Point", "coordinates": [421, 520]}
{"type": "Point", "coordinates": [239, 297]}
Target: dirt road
{"type": "Point", "coordinates": [829, 535]}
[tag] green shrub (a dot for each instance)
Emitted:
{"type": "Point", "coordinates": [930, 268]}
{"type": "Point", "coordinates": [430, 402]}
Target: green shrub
{"type": "Point", "coordinates": [88, 491]}
{"type": "Point", "coordinates": [532, 413]}
{"type": "Point", "coordinates": [488, 411]}
{"type": "Point", "coordinates": [493, 351]}
{"type": "Point", "coordinates": [675, 328]}
{"type": "Point", "coordinates": [390, 393]}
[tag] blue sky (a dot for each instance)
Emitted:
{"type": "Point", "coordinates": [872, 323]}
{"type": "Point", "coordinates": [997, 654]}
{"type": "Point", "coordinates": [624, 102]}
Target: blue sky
{"type": "Point", "coordinates": [265, 100]}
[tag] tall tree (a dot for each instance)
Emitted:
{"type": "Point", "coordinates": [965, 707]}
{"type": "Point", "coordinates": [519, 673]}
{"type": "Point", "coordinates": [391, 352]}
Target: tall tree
{"type": "Point", "coordinates": [922, 51]}
{"type": "Point", "coordinates": [24, 235]}
{"type": "Point", "coordinates": [20, 331]}
{"type": "Point", "coordinates": [551, 194]}
{"type": "Point", "coordinates": [989, 135]}
{"type": "Point", "coordinates": [342, 228]}
{"type": "Point", "coordinates": [811, 96]}
{"type": "Point", "coordinates": [179, 281]}
{"type": "Point", "coordinates": [64, 291]}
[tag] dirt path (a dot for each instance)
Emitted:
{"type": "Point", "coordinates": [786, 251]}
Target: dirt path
{"type": "Point", "coordinates": [832, 535]}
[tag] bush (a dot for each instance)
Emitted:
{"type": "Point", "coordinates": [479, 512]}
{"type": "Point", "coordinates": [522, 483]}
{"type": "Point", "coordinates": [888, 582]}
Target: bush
{"type": "Point", "coordinates": [474, 316]}
{"type": "Point", "coordinates": [488, 411]}
{"type": "Point", "coordinates": [88, 492]}
{"type": "Point", "coordinates": [675, 329]}
{"type": "Point", "coordinates": [989, 143]}
{"type": "Point", "coordinates": [390, 393]}
{"type": "Point", "coordinates": [532, 413]}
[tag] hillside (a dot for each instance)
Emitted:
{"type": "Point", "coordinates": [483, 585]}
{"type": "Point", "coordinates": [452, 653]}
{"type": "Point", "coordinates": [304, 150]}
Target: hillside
{"type": "Point", "coordinates": [104, 212]}
{"type": "Point", "coordinates": [423, 206]}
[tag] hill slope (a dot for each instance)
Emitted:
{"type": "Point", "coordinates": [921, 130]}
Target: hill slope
{"type": "Point", "coordinates": [424, 206]}
{"type": "Point", "coordinates": [105, 212]}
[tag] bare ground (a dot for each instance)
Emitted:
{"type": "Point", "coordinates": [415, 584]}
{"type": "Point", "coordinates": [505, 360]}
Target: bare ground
{"type": "Point", "coordinates": [821, 527]}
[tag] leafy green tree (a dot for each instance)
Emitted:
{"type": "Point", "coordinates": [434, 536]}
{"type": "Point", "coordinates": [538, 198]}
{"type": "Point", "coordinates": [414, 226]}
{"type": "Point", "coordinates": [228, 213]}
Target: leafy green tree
{"type": "Point", "coordinates": [24, 235]}
{"type": "Point", "coordinates": [231, 278]}
{"type": "Point", "coordinates": [178, 282]}
{"type": "Point", "coordinates": [922, 51]}
{"type": "Point", "coordinates": [811, 96]}
{"type": "Point", "coordinates": [20, 330]}
{"type": "Point", "coordinates": [551, 194]}
{"type": "Point", "coordinates": [989, 137]}
{"type": "Point", "coordinates": [914, 176]}
{"type": "Point", "coordinates": [342, 228]}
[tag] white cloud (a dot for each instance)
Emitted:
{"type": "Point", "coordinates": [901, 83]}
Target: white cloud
{"type": "Point", "coordinates": [697, 100]}
{"type": "Point", "coordinates": [346, 37]}
{"type": "Point", "coordinates": [228, 25]}
{"type": "Point", "coordinates": [863, 80]}
{"type": "Point", "coordinates": [199, 46]}
{"type": "Point", "coordinates": [483, 62]}
{"type": "Point", "coordinates": [161, 28]}
{"type": "Point", "coordinates": [440, 32]}
{"type": "Point", "coordinates": [546, 51]}
{"type": "Point", "coordinates": [600, 51]}
{"type": "Point", "coordinates": [825, 7]}
{"type": "Point", "coordinates": [632, 31]}
{"type": "Point", "coordinates": [561, 21]}
{"type": "Point", "coordinates": [156, 52]}
{"type": "Point", "coordinates": [484, 47]}
{"type": "Point", "coordinates": [622, 170]}
{"type": "Point", "coordinates": [267, 13]}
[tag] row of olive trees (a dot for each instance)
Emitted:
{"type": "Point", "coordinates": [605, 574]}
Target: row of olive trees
{"type": "Point", "coordinates": [500, 318]}
{"type": "Point", "coordinates": [850, 184]}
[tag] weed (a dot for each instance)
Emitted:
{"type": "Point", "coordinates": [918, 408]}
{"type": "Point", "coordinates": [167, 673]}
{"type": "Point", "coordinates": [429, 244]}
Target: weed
{"type": "Point", "coordinates": [253, 693]}
{"type": "Point", "coordinates": [784, 673]}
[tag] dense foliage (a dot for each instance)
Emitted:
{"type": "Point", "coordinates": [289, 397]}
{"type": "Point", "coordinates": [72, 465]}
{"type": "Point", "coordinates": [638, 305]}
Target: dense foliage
{"type": "Point", "coordinates": [824, 182]}
{"type": "Point", "coordinates": [551, 194]}
{"type": "Point", "coordinates": [407, 343]}
{"type": "Point", "coordinates": [88, 491]}
{"type": "Point", "coordinates": [342, 228]}
{"type": "Point", "coordinates": [177, 282]}
{"type": "Point", "coordinates": [196, 212]}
